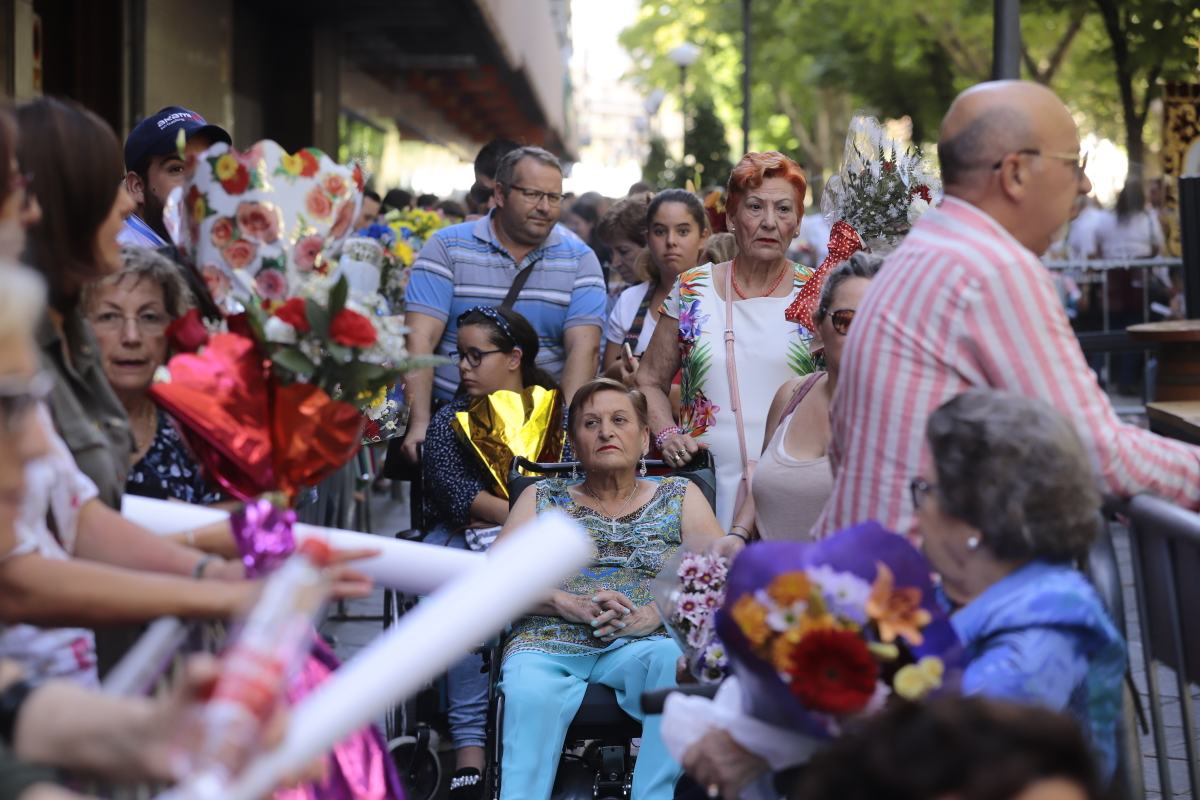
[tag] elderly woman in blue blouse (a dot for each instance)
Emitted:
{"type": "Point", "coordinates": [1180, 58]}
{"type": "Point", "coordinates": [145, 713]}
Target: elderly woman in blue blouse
{"type": "Point", "coordinates": [600, 626]}
{"type": "Point", "coordinates": [497, 350]}
{"type": "Point", "coordinates": [1007, 504]}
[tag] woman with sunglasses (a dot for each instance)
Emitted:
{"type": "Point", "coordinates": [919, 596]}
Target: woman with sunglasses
{"type": "Point", "coordinates": [793, 479]}
{"type": "Point", "coordinates": [497, 350]}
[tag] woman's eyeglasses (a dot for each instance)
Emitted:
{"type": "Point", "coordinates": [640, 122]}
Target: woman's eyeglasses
{"type": "Point", "coordinates": [841, 319]}
{"type": "Point", "coordinates": [19, 396]}
{"type": "Point", "coordinates": [473, 355]}
{"type": "Point", "coordinates": [919, 488]}
{"type": "Point", "coordinates": [151, 323]}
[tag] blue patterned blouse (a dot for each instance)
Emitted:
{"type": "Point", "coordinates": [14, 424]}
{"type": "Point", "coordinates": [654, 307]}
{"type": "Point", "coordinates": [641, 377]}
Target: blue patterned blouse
{"type": "Point", "coordinates": [168, 471]}
{"type": "Point", "coordinates": [452, 475]}
{"type": "Point", "coordinates": [629, 555]}
{"type": "Point", "coordinates": [1041, 636]}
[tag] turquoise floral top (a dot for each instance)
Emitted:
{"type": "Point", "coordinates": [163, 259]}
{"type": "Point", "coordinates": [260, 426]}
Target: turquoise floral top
{"type": "Point", "coordinates": [628, 557]}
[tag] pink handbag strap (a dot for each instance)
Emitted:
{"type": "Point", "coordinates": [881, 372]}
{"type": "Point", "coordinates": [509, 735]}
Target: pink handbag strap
{"type": "Point", "coordinates": [735, 396]}
{"type": "Point", "coordinates": [800, 393]}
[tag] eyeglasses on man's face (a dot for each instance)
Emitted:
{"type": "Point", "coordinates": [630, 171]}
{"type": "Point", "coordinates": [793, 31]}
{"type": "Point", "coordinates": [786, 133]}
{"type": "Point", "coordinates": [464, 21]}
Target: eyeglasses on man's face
{"type": "Point", "coordinates": [534, 196]}
{"type": "Point", "coordinates": [1078, 160]}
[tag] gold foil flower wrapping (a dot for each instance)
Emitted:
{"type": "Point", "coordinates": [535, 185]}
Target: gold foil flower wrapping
{"type": "Point", "coordinates": [505, 424]}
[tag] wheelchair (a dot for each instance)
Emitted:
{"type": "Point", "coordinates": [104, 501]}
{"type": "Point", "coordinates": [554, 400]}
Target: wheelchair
{"type": "Point", "coordinates": [598, 751]}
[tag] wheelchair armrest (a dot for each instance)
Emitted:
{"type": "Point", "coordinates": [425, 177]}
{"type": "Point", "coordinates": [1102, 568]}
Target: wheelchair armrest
{"type": "Point", "coordinates": [653, 701]}
{"type": "Point", "coordinates": [412, 535]}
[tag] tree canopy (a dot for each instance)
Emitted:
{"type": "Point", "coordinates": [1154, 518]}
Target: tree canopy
{"type": "Point", "coordinates": [814, 64]}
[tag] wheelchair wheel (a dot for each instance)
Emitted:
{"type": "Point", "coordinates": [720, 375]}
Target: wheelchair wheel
{"type": "Point", "coordinates": [417, 762]}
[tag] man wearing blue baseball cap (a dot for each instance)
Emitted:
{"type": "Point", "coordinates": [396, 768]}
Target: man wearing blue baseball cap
{"type": "Point", "coordinates": [155, 166]}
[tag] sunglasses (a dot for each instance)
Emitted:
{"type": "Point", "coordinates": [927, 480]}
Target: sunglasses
{"type": "Point", "coordinates": [841, 319]}
{"type": "Point", "coordinates": [19, 397]}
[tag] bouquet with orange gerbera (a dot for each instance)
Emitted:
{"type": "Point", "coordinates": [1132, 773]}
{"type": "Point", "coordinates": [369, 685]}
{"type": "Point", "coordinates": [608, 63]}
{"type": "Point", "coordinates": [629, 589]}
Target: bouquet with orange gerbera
{"type": "Point", "coordinates": [824, 632]}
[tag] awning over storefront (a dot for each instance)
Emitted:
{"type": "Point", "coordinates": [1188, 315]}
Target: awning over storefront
{"type": "Point", "coordinates": [487, 68]}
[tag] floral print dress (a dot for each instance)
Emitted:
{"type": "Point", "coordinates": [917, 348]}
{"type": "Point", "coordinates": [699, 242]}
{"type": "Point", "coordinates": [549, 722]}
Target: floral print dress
{"type": "Point", "coordinates": [630, 552]}
{"type": "Point", "coordinates": [769, 350]}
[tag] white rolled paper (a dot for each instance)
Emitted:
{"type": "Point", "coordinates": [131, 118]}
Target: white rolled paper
{"type": "Point", "coordinates": [165, 517]}
{"type": "Point", "coordinates": [518, 572]}
{"type": "Point", "coordinates": [410, 567]}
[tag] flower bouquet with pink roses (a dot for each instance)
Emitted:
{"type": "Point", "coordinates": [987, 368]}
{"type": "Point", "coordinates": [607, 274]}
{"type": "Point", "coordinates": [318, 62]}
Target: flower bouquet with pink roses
{"type": "Point", "coordinates": [688, 591]}
{"type": "Point", "coordinates": [271, 397]}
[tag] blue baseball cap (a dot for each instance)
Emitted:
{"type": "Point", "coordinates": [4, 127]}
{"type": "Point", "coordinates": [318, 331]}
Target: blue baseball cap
{"type": "Point", "coordinates": [156, 134]}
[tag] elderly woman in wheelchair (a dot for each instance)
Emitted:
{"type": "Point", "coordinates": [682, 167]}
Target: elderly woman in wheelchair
{"type": "Point", "coordinates": [600, 626]}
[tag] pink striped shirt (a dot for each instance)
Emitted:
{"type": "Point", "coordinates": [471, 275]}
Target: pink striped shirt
{"type": "Point", "coordinates": [962, 304]}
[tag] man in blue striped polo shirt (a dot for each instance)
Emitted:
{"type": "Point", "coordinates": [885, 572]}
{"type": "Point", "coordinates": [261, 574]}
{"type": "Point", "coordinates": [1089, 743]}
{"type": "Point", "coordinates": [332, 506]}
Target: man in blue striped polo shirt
{"type": "Point", "coordinates": [476, 263]}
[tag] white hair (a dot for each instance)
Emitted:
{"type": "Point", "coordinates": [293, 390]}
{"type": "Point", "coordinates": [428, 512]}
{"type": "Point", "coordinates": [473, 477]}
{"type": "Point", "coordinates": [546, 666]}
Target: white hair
{"type": "Point", "coordinates": [22, 301]}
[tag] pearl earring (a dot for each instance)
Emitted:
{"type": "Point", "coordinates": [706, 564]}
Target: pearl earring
{"type": "Point", "coordinates": [973, 543]}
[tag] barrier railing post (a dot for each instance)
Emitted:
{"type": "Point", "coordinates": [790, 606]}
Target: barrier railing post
{"type": "Point", "coordinates": [1189, 224]}
{"type": "Point", "coordinates": [1152, 688]}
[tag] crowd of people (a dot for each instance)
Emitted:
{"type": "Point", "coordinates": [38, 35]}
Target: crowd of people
{"type": "Point", "coordinates": [937, 390]}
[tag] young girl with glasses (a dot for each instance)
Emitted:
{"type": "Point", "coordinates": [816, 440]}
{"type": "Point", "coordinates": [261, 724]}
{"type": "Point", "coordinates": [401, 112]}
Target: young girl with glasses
{"type": "Point", "coordinates": [497, 350]}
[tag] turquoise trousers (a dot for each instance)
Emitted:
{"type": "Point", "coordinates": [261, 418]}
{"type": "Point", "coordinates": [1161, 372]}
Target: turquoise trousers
{"type": "Point", "coordinates": [543, 692]}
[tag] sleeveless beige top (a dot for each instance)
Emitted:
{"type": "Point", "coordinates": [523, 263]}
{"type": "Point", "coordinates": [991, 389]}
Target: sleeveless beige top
{"type": "Point", "coordinates": [789, 493]}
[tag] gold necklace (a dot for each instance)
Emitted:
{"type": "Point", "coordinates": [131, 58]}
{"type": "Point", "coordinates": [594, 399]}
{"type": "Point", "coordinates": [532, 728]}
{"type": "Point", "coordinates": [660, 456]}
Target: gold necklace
{"type": "Point", "coordinates": [604, 513]}
{"type": "Point", "coordinates": [145, 418]}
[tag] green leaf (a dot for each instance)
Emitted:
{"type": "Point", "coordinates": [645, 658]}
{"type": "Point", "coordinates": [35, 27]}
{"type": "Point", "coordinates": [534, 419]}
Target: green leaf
{"type": "Point", "coordinates": [337, 296]}
{"type": "Point", "coordinates": [292, 360]}
{"type": "Point", "coordinates": [318, 318]}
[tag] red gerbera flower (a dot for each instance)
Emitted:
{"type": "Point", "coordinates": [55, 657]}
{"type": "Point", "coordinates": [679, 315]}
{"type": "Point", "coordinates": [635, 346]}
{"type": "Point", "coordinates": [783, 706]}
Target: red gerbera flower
{"type": "Point", "coordinates": [832, 671]}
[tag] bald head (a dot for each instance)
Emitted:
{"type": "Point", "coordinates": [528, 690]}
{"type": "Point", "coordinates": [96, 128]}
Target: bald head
{"type": "Point", "coordinates": [1011, 149]}
{"type": "Point", "coordinates": [992, 119]}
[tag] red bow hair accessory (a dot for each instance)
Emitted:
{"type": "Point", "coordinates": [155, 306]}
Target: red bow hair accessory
{"type": "Point", "coordinates": [844, 242]}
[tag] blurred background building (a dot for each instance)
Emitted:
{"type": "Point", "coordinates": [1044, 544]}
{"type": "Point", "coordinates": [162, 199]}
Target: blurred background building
{"type": "Point", "coordinates": [412, 88]}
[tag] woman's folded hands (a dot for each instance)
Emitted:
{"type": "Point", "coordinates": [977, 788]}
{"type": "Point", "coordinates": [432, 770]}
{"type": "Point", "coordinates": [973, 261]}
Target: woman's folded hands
{"type": "Point", "coordinates": [610, 614]}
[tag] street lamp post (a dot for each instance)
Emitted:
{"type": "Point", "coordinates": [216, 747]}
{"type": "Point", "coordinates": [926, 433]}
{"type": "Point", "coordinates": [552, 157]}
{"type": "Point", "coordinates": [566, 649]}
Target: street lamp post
{"type": "Point", "coordinates": [683, 57]}
{"type": "Point", "coordinates": [745, 76]}
{"type": "Point", "coordinates": [1006, 40]}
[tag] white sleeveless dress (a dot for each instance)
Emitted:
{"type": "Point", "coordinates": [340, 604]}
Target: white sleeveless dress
{"type": "Point", "coordinates": [768, 350]}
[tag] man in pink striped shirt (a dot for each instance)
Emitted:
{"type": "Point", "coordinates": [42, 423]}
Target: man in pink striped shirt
{"type": "Point", "coordinates": [965, 302]}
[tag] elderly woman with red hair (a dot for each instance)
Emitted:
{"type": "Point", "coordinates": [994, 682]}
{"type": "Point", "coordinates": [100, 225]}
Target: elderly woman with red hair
{"type": "Point", "coordinates": [724, 326]}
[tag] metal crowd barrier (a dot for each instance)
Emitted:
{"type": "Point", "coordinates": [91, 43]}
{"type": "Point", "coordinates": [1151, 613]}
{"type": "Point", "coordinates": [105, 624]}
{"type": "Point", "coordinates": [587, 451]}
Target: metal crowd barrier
{"type": "Point", "coordinates": [1096, 270]}
{"type": "Point", "coordinates": [1164, 544]}
{"type": "Point", "coordinates": [1107, 341]}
